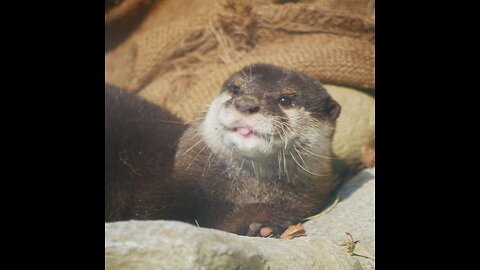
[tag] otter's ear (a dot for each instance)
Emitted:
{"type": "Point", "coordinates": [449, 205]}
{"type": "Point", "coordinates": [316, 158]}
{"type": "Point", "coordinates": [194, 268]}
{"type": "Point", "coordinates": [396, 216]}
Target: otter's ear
{"type": "Point", "coordinates": [333, 110]}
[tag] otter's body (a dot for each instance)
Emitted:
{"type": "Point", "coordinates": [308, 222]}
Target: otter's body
{"type": "Point", "coordinates": [261, 155]}
{"type": "Point", "coordinates": [140, 144]}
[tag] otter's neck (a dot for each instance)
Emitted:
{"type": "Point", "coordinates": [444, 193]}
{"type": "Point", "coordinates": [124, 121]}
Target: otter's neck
{"type": "Point", "coordinates": [293, 165]}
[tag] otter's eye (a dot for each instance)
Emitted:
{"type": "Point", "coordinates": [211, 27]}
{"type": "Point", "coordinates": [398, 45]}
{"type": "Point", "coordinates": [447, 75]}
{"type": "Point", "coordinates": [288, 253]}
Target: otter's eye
{"type": "Point", "coordinates": [285, 101]}
{"type": "Point", "coordinates": [234, 89]}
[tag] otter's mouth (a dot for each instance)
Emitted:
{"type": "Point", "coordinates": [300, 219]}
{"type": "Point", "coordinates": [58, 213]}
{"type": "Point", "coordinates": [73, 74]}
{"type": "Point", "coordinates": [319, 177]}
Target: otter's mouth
{"type": "Point", "coordinates": [245, 131]}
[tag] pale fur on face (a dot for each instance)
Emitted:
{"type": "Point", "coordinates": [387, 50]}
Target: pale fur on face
{"type": "Point", "coordinates": [219, 122]}
{"type": "Point", "coordinates": [302, 131]}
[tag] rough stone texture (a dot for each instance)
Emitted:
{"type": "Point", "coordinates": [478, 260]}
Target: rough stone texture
{"type": "Point", "coordinates": [176, 245]}
{"type": "Point", "coordinates": [355, 213]}
{"type": "Point", "coordinates": [355, 125]}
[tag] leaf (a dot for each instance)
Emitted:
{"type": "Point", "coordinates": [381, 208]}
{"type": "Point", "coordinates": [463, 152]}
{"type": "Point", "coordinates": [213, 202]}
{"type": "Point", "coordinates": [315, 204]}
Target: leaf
{"type": "Point", "coordinates": [293, 231]}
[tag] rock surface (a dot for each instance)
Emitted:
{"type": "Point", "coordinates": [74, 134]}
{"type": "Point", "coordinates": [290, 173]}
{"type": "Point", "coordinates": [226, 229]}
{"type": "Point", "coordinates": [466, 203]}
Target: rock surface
{"type": "Point", "coordinates": [176, 245]}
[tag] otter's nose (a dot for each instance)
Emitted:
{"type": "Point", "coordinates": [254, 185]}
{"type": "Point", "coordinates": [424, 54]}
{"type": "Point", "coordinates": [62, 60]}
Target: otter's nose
{"type": "Point", "coordinates": [247, 104]}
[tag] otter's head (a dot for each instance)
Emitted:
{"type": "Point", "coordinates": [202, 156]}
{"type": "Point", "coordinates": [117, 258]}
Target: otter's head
{"type": "Point", "coordinates": [263, 110]}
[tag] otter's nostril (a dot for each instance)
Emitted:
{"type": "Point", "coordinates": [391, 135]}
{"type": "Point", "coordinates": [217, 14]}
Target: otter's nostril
{"type": "Point", "coordinates": [247, 105]}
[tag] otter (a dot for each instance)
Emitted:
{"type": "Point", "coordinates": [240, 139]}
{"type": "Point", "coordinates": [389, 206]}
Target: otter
{"type": "Point", "coordinates": [261, 157]}
{"type": "Point", "coordinates": [140, 144]}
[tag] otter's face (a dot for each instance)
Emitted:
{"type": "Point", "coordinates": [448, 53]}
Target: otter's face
{"type": "Point", "coordinates": [264, 109]}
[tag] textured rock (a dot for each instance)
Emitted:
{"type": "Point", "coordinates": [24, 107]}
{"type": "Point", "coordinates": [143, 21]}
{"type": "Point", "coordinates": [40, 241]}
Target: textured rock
{"type": "Point", "coordinates": [355, 213]}
{"type": "Point", "coordinates": [355, 125]}
{"type": "Point", "coordinates": [176, 245]}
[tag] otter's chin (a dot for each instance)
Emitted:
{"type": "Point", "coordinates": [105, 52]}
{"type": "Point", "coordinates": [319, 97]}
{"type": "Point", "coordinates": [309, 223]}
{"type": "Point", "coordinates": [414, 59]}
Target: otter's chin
{"type": "Point", "coordinates": [246, 143]}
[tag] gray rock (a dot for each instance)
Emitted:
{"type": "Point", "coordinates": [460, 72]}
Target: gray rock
{"type": "Point", "coordinates": [176, 245]}
{"type": "Point", "coordinates": [355, 213]}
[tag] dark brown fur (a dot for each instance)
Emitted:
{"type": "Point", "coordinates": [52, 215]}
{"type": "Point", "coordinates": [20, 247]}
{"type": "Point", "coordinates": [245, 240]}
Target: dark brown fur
{"type": "Point", "coordinates": [201, 186]}
{"type": "Point", "coordinates": [140, 144]}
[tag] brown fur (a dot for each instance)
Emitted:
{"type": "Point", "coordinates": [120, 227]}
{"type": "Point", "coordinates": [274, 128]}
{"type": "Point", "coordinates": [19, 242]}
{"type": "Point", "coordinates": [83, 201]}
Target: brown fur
{"type": "Point", "coordinates": [140, 142]}
{"type": "Point", "coordinates": [229, 191]}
